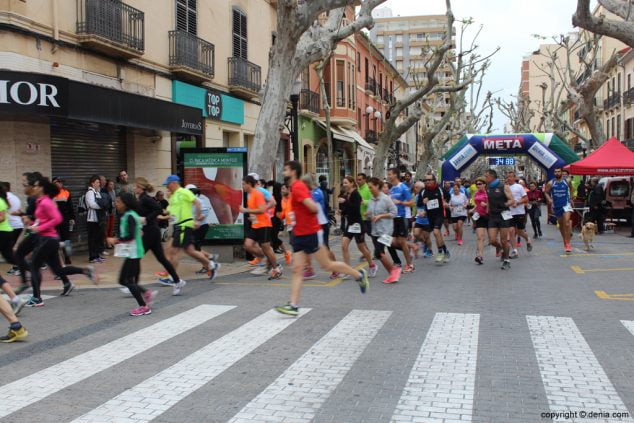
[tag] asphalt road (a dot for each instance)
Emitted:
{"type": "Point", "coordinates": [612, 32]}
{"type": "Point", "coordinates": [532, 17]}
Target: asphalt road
{"type": "Point", "coordinates": [457, 342]}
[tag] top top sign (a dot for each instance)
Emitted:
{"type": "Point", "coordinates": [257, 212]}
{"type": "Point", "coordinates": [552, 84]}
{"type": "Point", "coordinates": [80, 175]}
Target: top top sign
{"type": "Point", "coordinates": [213, 104]}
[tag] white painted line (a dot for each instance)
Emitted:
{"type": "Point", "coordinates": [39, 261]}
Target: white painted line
{"type": "Point", "coordinates": [155, 395]}
{"type": "Point", "coordinates": [30, 389]}
{"type": "Point", "coordinates": [572, 376]}
{"type": "Point", "coordinates": [629, 324]}
{"type": "Point", "coordinates": [442, 382]}
{"type": "Point", "coordinates": [28, 296]}
{"type": "Point", "coordinates": [301, 390]}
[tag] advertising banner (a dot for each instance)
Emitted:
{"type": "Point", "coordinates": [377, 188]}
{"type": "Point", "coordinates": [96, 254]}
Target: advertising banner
{"type": "Point", "coordinates": [218, 173]}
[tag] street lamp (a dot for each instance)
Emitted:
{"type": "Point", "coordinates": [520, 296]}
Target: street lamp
{"type": "Point", "coordinates": [295, 91]}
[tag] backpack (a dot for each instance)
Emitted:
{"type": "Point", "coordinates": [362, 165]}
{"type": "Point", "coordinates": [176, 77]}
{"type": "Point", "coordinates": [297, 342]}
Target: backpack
{"type": "Point", "coordinates": [82, 207]}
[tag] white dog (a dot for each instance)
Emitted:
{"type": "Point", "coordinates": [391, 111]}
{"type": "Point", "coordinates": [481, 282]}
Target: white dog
{"type": "Point", "coordinates": [588, 230]}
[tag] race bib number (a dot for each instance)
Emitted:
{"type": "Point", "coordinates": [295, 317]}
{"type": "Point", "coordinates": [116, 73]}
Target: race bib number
{"type": "Point", "coordinates": [432, 204]}
{"type": "Point", "coordinates": [123, 249]}
{"type": "Point", "coordinates": [568, 208]}
{"type": "Point", "coordinates": [292, 219]}
{"type": "Point", "coordinates": [355, 228]}
{"type": "Point", "coordinates": [385, 240]}
{"type": "Point", "coordinates": [458, 210]}
{"type": "Point", "coordinates": [529, 206]}
{"type": "Point", "coordinates": [475, 216]}
{"type": "Point", "coordinates": [506, 215]}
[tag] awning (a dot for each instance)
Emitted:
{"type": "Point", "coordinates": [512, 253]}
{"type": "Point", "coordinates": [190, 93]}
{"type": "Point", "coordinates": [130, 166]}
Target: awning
{"type": "Point", "coordinates": [358, 139]}
{"type": "Point", "coordinates": [337, 133]}
{"type": "Point", "coordinates": [611, 158]}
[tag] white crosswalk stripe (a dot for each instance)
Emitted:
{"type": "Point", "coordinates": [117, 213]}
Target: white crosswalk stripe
{"type": "Point", "coordinates": [441, 383]}
{"type": "Point", "coordinates": [142, 403]}
{"type": "Point", "coordinates": [301, 390]}
{"type": "Point", "coordinates": [572, 376]}
{"type": "Point", "coordinates": [26, 391]}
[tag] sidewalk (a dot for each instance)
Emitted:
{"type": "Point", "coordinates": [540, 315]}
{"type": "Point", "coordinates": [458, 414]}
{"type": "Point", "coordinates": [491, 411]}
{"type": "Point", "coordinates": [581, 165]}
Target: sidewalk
{"type": "Point", "coordinates": [109, 271]}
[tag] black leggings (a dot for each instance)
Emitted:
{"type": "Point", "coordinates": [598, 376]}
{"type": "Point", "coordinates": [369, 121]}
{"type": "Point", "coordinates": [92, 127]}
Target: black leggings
{"type": "Point", "coordinates": [47, 251]}
{"type": "Point", "coordinates": [152, 241]}
{"type": "Point", "coordinates": [129, 277]}
{"type": "Point", "coordinates": [395, 258]}
{"type": "Point", "coordinates": [95, 240]}
{"type": "Point", "coordinates": [199, 236]}
{"type": "Point", "coordinates": [6, 249]}
{"type": "Point", "coordinates": [24, 249]}
{"type": "Point", "coordinates": [534, 214]}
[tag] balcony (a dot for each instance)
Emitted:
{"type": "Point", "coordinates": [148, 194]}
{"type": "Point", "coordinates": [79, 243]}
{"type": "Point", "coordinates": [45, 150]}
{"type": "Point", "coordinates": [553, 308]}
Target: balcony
{"type": "Point", "coordinates": [112, 27]}
{"type": "Point", "coordinates": [309, 101]}
{"type": "Point", "coordinates": [628, 97]}
{"type": "Point", "coordinates": [244, 77]}
{"type": "Point", "coordinates": [370, 86]}
{"type": "Point", "coordinates": [613, 100]}
{"type": "Point", "coordinates": [371, 136]}
{"type": "Point", "coordinates": [191, 57]}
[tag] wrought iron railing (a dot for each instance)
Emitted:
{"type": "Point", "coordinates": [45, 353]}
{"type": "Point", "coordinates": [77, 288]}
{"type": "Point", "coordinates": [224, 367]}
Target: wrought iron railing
{"type": "Point", "coordinates": [309, 100]}
{"type": "Point", "coordinates": [628, 96]}
{"type": "Point", "coordinates": [613, 100]}
{"type": "Point", "coordinates": [244, 74]}
{"type": "Point", "coordinates": [371, 136]}
{"type": "Point", "coordinates": [370, 85]}
{"type": "Point", "coordinates": [192, 52]}
{"type": "Point", "coordinates": [112, 20]}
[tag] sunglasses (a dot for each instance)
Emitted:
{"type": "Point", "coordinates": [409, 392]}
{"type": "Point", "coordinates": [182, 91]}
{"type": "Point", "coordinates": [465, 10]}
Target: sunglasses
{"type": "Point", "coordinates": [479, 183]}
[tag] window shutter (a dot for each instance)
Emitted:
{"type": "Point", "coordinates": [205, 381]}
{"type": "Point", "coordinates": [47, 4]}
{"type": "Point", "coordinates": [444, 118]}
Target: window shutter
{"type": "Point", "coordinates": [239, 34]}
{"type": "Point", "coordinates": [181, 16]}
{"type": "Point", "coordinates": [186, 19]}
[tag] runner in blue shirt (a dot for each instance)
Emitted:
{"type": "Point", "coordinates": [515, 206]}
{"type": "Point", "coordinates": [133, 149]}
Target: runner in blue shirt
{"type": "Point", "coordinates": [422, 227]}
{"type": "Point", "coordinates": [402, 198]}
{"type": "Point", "coordinates": [557, 193]}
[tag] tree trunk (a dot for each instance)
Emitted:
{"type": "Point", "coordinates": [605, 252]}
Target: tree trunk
{"type": "Point", "coordinates": [596, 129]}
{"type": "Point", "coordinates": [379, 164]}
{"type": "Point", "coordinates": [424, 162]}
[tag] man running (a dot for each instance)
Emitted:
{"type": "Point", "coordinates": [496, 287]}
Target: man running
{"type": "Point", "coordinates": [307, 240]}
{"type": "Point", "coordinates": [257, 208]}
{"type": "Point", "coordinates": [65, 205]}
{"type": "Point", "coordinates": [181, 206]}
{"type": "Point", "coordinates": [366, 196]}
{"type": "Point", "coordinates": [557, 193]}
{"type": "Point", "coordinates": [17, 332]}
{"type": "Point", "coordinates": [518, 226]}
{"type": "Point", "coordinates": [499, 199]}
{"type": "Point", "coordinates": [422, 228]}
{"type": "Point", "coordinates": [433, 200]}
{"type": "Point", "coordinates": [402, 198]}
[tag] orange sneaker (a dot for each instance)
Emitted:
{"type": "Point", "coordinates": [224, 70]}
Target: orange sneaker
{"type": "Point", "coordinates": [254, 262]}
{"type": "Point", "coordinates": [287, 258]}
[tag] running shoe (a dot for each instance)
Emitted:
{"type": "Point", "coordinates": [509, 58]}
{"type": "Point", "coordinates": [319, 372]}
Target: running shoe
{"type": "Point", "coordinates": [105, 253]}
{"type": "Point", "coordinates": [428, 254]}
{"type": "Point", "coordinates": [23, 287]}
{"type": "Point", "coordinates": [278, 251]}
{"type": "Point", "coordinates": [149, 297]}
{"type": "Point", "coordinates": [394, 277]}
{"type": "Point", "coordinates": [514, 254]}
{"type": "Point", "coordinates": [506, 264]}
{"type": "Point", "coordinates": [44, 267]}
{"type": "Point", "coordinates": [57, 278]}
{"type": "Point", "coordinates": [335, 275]}
{"type": "Point", "coordinates": [498, 253]}
{"type": "Point", "coordinates": [162, 274]}
{"type": "Point", "coordinates": [309, 274]}
{"type": "Point", "coordinates": [446, 257]}
{"type": "Point", "coordinates": [255, 262]}
{"type": "Point", "coordinates": [276, 273]}
{"type": "Point", "coordinates": [479, 260]}
{"type": "Point", "coordinates": [440, 258]}
{"type": "Point", "coordinates": [11, 271]}
{"type": "Point", "coordinates": [15, 335]}
{"type": "Point", "coordinates": [364, 282]}
{"type": "Point", "coordinates": [446, 233]}
{"type": "Point", "coordinates": [415, 248]}
{"type": "Point", "coordinates": [287, 309]}
{"type": "Point", "coordinates": [68, 288]}
{"type": "Point", "coordinates": [141, 311]}
{"type": "Point", "coordinates": [519, 244]}
{"type": "Point", "coordinates": [409, 268]}
{"type": "Point", "coordinates": [287, 258]}
{"type": "Point", "coordinates": [373, 270]}
{"type": "Point", "coordinates": [125, 290]}
{"type": "Point", "coordinates": [18, 305]}
{"type": "Point", "coordinates": [35, 302]}
{"type": "Point", "coordinates": [202, 271]}
{"type": "Point", "coordinates": [460, 242]}
{"type": "Point", "coordinates": [259, 271]}
{"type": "Point", "coordinates": [212, 271]}
{"type": "Point", "coordinates": [178, 287]}
{"type": "Point", "coordinates": [166, 281]}
{"type": "Point", "coordinates": [568, 247]}
{"type": "Point", "coordinates": [92, 275]}
{"type": "Point", "coordinates": [529, 247]}
{"type": "Point", "coordinates": [15, 272]}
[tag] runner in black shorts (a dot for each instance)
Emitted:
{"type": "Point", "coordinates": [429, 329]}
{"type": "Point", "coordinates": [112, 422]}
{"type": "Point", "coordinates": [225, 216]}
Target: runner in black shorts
{"type": "Point", "coordinates": [499, 200]}
{"type": "Point", "coordinates": [434, 202]}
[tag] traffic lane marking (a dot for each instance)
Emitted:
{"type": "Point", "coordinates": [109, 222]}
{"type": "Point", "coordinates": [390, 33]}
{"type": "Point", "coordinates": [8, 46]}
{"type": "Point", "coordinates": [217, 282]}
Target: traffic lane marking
{"type": "Point", "coordinates": [578, 270]}
{"type": "Point", "coordinates": [319, 284]}
{"type": "Point", "coordinates": [597, 255]}
{"type": "Point", "coordinates": [614, 297]}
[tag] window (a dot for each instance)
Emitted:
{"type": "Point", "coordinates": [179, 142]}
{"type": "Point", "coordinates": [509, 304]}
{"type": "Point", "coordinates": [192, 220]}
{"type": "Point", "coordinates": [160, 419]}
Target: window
{"type": "Point", "coordinates": [358, 62]}
{"type": "Point", "coordinates": [340, 74]}
{"type": "Point", "coordinates": [619, 83]}
{"type": "Point", "coordinates": [399, 38]}
{"type": "Point", "coordinates": [420, 36]}
{"type": "Point", "coordinates": [349, 85]}
{"type": "Point", "coordinates": [186, 16]}
{"type": "Point", "coordinates": [399, 51]}
{"type": "Point", "coordinates": [306, 79]}
{"type": "Point", "coordinates": [629, 81]}
{"type": "Point", "coordinates": [612, 125]}
{"type": "Point", "coordinates": [619, 189]}
{"type": "Point", "coordinates": [618, 127]}
{"type": "Point", "coordinates": [327, 84]}
{"type": "Point", "coordinates": [239, 34]}
{"type": "Point", "coordinates": [379, 39]}
{"type": "Point", "coordinates": [607, 127]}
{"type": "Point", "coordinates": [367, 70]}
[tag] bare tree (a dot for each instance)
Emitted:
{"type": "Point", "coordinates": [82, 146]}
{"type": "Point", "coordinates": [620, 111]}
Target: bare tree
{"type": "Point", "coordinates": [518, 112]}
{"type": "Point", "coordinates": [622, 30]}
{"type": "Point", "coordinates": [305, 35]}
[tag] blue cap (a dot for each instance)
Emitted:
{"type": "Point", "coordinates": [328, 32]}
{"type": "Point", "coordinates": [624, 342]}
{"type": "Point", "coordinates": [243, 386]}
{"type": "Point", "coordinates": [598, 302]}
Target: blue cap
{"type": "Point", "coordinates": [172, 178]}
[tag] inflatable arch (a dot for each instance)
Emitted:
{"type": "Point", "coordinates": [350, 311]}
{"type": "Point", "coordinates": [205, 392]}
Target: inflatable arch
{"type": "Point", "coordinates": [547, 150]}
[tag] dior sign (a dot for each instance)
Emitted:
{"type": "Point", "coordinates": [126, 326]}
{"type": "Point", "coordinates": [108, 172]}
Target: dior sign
{"type": "Point", "coordinates": [33, 93]}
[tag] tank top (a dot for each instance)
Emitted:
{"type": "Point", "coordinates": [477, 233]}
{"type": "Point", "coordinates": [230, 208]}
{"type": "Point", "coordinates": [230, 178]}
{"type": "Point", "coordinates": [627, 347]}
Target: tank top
{"type": "Point", "coordinates": [497, 199]}
{"type": "Point", "coordinates": [136, 251]}
{"type": "Point", "coordinates": [560, 191]}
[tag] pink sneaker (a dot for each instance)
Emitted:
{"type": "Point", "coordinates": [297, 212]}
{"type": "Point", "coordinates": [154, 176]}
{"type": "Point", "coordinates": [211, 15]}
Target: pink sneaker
{"type": "Point", "coordinates": [395, 275]}
{"type": "Point", "coordinates": [460, 242]}
{"type": "Point", "coordinates": [373, 270]}
{"type": "Point", "coordinates": [309, 274]}
{"type": "Point", "coordinates": [335, 275]}
{"type": "Point", "coordinates": [149, 297]}
{"type": "Point", "coordinates": [141, 311]}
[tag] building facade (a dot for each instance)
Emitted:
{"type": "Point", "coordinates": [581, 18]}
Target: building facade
{"type": "Point", "coordinates": [95, 86]}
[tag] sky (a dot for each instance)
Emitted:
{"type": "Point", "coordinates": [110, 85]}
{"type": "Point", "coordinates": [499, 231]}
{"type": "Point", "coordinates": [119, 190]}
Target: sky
{"type": "Point", "coordinates": [508, 24]}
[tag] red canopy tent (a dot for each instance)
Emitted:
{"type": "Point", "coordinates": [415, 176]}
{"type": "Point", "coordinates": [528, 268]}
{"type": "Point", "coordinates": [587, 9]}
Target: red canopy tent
{"type": "Point", "coordinates": [611, 159]}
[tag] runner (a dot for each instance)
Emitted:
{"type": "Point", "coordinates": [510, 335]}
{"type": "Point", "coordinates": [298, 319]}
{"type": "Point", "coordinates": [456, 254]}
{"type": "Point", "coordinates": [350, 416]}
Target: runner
{"type": "Point", "coordinates": [250, 242]}
{"type": "Point", "coordinates": [366, 196]}
{"type": "Point", "coordinates": [308, 240]}
{"type": "Point", "coordinates": [285, 216]}
{"type": "Point", "coordinates": [29, 240]}
{"type": "Point", "coordinates": [432, 197]}
{"type": "Point", "coordinates": [480, 217]}
{"type": "Point", "coordinates": [402, 198]}
{"type": "Point", "coordinates": [15, 221]}
{"type": "Point", "coordinates": [131, 247]}
{"type": "Point", "coordinates": [351, 211]}
{"type": "Point", "coordinates": [422, 228]}
{"type": "Point", "coordinates": [257, 208]}
{"type": "Point", "coordinates": [557, 193]}
{"type": "Point", "coordinates": [535, 199]}
{"type": "Point", "coordinates": [499, 198]}
{"type": "Point", "coordinates": [65, 205]}
{"type": "Point", "coordinates": [47, 218]}
{"type": "Point", "coordinates": [446, 191]}
{"type": "Point", "coordinates": [181, 205]}
{"type": "Point", "coordinates": [6, 249]}
{"type": "Point", "coordinates": [149, 210]}
{"type": "Point", "coordinates": [17, 332]}
{"type": "Point", "coordinates": [518, 226]}
{"type": "Point", "coordinates": [320, 196]}
{"type": "Point", "coordinates": [458, 204]}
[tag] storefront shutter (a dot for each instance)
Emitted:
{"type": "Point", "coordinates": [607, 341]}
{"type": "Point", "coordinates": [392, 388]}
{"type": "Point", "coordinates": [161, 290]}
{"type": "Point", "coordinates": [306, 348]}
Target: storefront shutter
{"type": "Point", "coordinates": [81, 149]}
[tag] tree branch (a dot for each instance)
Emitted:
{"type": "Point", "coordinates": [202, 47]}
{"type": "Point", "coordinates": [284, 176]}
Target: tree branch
{"type": "Point", "coordinates": [623, 31]}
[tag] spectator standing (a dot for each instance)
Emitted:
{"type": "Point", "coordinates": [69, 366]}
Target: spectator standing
{"type": "Point", "coordinates": [122, 183]}
{"type": "Point", "coordinates": [94, 215]}
{"type": "Point", "coordinates": [595, 203]}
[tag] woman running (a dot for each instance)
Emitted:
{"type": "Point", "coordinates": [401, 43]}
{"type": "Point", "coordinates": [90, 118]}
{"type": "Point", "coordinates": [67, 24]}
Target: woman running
{"type": "Point", "coordinates": [130, 227]}
{"type": "Point", "coordinates": [480, 217]}
{"type": "Point", "coordinates": [285, 217]}
{"type": "Point", "coordinates": [458, 204]}
{"type": "Point", "coordinates": [47, 218]}
{"type": "Point", "coordinates": [382, 211]}
{"type": "Point", "coordinates": [351, 211]}
{"type": "Point", "coordinates": [422, 227]}
{"type": "Point", "coordinates": [6, 249]}
{"type": "Point", "coordinates": [149, 209]}
{"type": "Point", "coordinates": [535, 200]}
